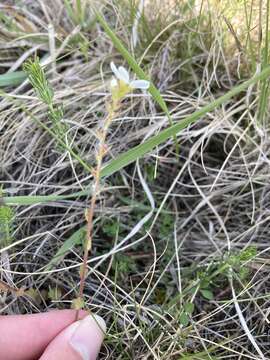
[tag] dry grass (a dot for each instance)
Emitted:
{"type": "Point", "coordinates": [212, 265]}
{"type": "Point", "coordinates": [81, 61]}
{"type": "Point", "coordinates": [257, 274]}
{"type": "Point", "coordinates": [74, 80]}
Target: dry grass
{"type": "Point", "coordinates": [207, 205]}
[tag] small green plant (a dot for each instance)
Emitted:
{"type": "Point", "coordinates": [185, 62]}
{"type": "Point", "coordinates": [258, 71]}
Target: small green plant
{"type": "Point", "coordinates": [166, 225]}
{"type": "Point", "coordinates": [208, 280]}
{"type": "Point", "coordinates": [6, 224]}
{"type": "Point", "coordinates": [111, 227]}
{"type": "Point", "coordinates": [124, 265]}
{"type": "Point", "coordinates": [150, 171]}
{"type": "Point", "coordinates": [77, 12]}
{"type": "Point", "coordinates": [220, 270]}
{"type": "Point", "coordinates": [44, 91]}
{"type": "Point", "coordinates": [237, 261]}
{"type": "Point", "coordinates": [54, 293]}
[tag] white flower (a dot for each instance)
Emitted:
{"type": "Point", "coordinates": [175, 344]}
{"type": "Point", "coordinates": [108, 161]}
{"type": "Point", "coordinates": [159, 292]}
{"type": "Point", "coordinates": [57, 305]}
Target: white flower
{"type": "Point", "coordinates": [122, 74]}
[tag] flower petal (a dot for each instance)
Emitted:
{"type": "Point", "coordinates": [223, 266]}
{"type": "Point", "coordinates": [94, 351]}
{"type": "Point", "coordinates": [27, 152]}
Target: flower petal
{"type": "Point", "coordinates": [113, 82]}
{"type": "Point", "coordinates": [114, 69]}
{"type": "Point", "coordinates": [140, 84]}
{"type": "Point", "coordinates": [123, 74]}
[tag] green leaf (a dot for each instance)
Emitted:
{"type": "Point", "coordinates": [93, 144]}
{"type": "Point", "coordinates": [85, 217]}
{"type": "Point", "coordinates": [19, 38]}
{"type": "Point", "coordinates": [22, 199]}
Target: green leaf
{"type": "Point", "coordinates": [39, 199]}
{"type": "Point", "coordinates": [73, 240]}
{"type": "Point", "coordinates": [70, 11]}
{"type": "Point", "coordinates": [38, 80]}
{"type": "Point", "coordinates": [247, 254]}
{"type": "Point", "coordinates": [189, 307]}
{"type": "Point", "coordinates": [207, 294]}
{"type": "Point", "coordinates": [204, 284]}
{"type": "Point", "coordinates": [184, 320]}
{"type": "Point", "coordinates": [12, 78]}
{"type": "Point", "coordinates": [54, 293]}
{"type": "Point", "coordinates": [6, 225]}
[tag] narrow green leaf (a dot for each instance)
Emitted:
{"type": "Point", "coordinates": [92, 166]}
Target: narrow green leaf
{"type": "Point", "coordinates": [38, 199]}
{"type": "Point", "coordinates": [12, 78]}
{"type": "Point", "coordinates": [74, 239]}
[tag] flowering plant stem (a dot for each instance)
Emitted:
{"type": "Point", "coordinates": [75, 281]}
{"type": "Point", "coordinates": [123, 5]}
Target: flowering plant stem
{"type": "Point", "coordinates": [101, 151]}
{"type": "Point", "coordinates": [121, 85]}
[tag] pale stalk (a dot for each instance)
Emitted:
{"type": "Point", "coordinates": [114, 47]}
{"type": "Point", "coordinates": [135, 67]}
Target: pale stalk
{"type": "Point", "coordinates": [90, 213]}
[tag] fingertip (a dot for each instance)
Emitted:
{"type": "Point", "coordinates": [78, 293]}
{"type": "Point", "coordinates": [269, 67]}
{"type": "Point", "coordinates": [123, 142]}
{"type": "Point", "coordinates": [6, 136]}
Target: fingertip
{"type": "Point", "coordinates": [25, 337]}
{"type": "Point", "coordinates": [80, 340]}
{"type": "Point", "coordinates": [94, 327]}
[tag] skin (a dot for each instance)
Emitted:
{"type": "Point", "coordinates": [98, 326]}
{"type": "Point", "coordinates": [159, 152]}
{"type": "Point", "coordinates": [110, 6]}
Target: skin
{"type": "Point", "coordinates": [41, 336]}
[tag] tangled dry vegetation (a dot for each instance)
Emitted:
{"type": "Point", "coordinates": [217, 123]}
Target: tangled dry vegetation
{"type": "Point", "coordinates": [179, 266]}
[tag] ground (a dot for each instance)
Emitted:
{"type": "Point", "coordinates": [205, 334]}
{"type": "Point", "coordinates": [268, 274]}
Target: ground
{"type": "Point", "coordinates": [179, 264]}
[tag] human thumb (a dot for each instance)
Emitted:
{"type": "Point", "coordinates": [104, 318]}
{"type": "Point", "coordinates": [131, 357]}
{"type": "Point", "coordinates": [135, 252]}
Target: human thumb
{"type": "Point", "coordinates": [79, 341]}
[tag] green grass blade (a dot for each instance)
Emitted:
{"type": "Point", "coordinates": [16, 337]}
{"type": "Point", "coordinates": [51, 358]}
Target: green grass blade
{"type": "Point", "coordinates": [263, 86]}
{"type": "Point", "coordinates": [74, 239]}
{"type": "Point", "coordinates": [138, 151]}
{"type": "Point", "coordinates": [135, 67]}
{"type": "Point", "coordinates": [70, 11]}
{"type": "Point", "coordinates": [39, 199]}
{"type": "Point", "coordinates": [12, 78]}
